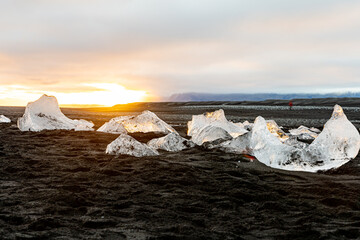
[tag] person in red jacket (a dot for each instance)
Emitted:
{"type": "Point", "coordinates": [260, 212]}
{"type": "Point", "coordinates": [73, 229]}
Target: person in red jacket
{"type": "Point", "coordinates": [290, 104]}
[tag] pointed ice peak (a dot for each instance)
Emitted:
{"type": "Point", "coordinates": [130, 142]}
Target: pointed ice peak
{"type": "Point", "coordinates": [216, 115]}
{"type": "Point", "coordinates": [45, 95]}
{"type": "Point", "coordinates": [339, 139]}
{"type": "Point", "coordinates": [260, 123]}
{"type": "Point", "coordinates": [338, 112]}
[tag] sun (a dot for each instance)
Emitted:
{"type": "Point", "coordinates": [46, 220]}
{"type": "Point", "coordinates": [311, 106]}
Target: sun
{"type": "Point", "coordinates": [99, 94]}
{"type": "Point", "coordinates": [106, 94]}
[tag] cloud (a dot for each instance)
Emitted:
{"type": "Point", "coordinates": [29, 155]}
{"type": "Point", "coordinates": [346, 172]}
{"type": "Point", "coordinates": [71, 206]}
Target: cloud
{"type": "Point", "coordinates": [165, 47]}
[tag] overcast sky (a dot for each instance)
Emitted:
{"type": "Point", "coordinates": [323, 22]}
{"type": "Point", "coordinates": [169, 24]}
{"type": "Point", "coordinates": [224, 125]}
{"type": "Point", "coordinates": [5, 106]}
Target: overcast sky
{"type": "Point", "coordinates": [174, 46]}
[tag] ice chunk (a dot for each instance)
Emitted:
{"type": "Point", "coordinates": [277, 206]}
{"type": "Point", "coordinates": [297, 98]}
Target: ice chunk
{"type": "Point", "coordinates": [113, 126]}
{"type": "Point", "coordinates": [4, 119]}
{"type": "Point", "coordinates": [216, 119]}
{"type": "Point", "coordinates": [238, 145]}
{"type": "Point", "coordinates": [338, 143]}
{"type": "Point", "coordinates": [247, 125]}
{"type": "Point", "coordinates": [276, 130]}
{"type": "Point", "coordinates": [172, 142]}
{"type": "Point", "coordinates": [210, 133]}
{"type": "Point", "coordinates": [145, 122]}
{"type": "Point", "coordinates": [127, 145]}
{"type": "Point", "coordinates": [303, 133]}
{"type": "Point", "coordinates": [45, 114]}
{"type": "Point", "coordinates": [315, 130]}
{"type": "Point", "coordinates": [293, 141]}
{"type": "Point", "coordinates": [268, 148]}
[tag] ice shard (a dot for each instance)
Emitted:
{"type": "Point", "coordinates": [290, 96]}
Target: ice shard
{"type": "Point", "coordinates": [214, 119]}
{"type": "Point", "coordinates": [303, 133]}
{"type": "Point", "coordinates": [45, 114]}
{"type": "Point", "coordinates": [145, 122]}
{"type": "Point", "coordinates": [238, 145]}
{"type": "Point", "coordinates": [338, 143]}
{"type": "Point", "coordinates": [113, 126]}
{"type": "Point", "coordinates": [172, 142]}
{"type": "Point", "coordinates": [276, 130]}
{"type": "Point", "coordinates": [268, 148]}
{"type": "Point", "coordinates": [210, 133]}
{"type": "Point", "coordinates": [127, 145]}
{"type": "Point", "coordinates": [4, 119]}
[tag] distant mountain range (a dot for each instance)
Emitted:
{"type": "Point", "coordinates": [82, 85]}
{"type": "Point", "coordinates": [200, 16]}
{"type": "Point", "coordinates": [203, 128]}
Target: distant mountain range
{"type": "Point", "coordinates": [199, 97]}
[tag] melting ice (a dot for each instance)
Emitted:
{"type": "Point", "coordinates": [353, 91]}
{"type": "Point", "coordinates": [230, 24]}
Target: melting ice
{"type": "Point", "coordinates": [145, 122]}
{"type": "Point", "coordinates": [45, 114]}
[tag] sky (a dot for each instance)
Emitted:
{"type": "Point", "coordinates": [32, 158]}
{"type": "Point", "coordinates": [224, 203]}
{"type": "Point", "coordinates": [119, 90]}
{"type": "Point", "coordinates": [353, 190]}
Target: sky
{"type": "Point", "coordinates": [83, 51]}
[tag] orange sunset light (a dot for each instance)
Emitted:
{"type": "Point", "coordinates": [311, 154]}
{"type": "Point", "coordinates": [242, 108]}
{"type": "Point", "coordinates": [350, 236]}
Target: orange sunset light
{"type": "Point", "coordinates": [105, 94]}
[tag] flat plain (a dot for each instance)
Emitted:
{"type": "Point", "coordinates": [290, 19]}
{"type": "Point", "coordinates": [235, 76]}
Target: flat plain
{"type": "Point", "coordinates": [61, 184]}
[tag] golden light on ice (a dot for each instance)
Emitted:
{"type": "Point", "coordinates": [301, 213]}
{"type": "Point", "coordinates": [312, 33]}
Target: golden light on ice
{"type": "Point", "coordinates": [107, 94]}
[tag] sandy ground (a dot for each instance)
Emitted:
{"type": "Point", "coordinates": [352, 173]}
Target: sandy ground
{"type": "Point", "coordinates": [62, 185]}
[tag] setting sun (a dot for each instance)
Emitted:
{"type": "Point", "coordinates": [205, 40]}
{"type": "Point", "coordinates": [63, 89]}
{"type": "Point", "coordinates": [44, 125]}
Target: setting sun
{"type": "Point", "coordinates": [106, 94]}
{"type": "Point", "coordinates": [102, 94]}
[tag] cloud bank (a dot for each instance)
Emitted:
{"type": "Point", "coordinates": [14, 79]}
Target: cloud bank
{"type": "Point", "coordinates": [165, 47]}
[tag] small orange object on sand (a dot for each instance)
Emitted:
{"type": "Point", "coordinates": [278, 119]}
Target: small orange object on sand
{"type": "Point", "coordinates": [252, 158]}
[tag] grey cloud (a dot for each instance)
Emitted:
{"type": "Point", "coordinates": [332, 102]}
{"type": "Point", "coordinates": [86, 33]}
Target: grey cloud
{"type": "Point", "coordinates": [177, 46]}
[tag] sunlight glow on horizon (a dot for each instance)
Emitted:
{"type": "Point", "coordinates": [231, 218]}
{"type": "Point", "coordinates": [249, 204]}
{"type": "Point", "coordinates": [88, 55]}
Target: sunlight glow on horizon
{"type": "Point", "coordinates": [104, 94]}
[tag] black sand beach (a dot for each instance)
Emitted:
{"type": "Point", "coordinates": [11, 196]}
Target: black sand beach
{"type": "Point", "coordinates": [62, 185]}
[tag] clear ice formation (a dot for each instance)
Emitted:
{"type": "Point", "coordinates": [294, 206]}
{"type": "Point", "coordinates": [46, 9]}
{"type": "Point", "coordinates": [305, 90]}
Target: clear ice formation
{"type": "Point", "coordinates": [303, 133]}
{"type": "Point", "coordinates": [172, 142]}
{"type": "Point", "coordinates": [268, 148]}
{"type": "Point", "coordinates": [45, 114]}
{"type": "Point", "coordinates": [210, 133]}
{"type": "Point", "coordinates": [315, 130]}
{"type": "Point", "coordinates": [113, 127]}
{"type": "Point", "coordinates": [247, 125]}
{"type": "Point", "coordinates": [276, 130]}
{"type": "Point", "coordinates": [127, 145]}
{"type": "Point", "coordinates": [4, 119]}
{"type": "Point", "coordinates": [145, 122]}
{"type": "Point", "coordinates": [211, 123]}
{"type": "Point", "coordinates": [338, 143]}
{"type": "Point", "coordinates": [238, 145]}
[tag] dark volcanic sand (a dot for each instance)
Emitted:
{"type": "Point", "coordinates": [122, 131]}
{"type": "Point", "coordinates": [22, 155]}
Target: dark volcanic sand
{"type": "Point", "coordinates": [61, 185]}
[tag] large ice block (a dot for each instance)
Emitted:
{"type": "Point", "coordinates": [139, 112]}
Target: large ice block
{"type": "Point", "coordinates": [145, 122]}
{"type": "Point", "coordinates": [45, 114]}
{"type": "Point", "coordinates": [209, 134]}
{"type": "Point", "coordinates": [212, 123]}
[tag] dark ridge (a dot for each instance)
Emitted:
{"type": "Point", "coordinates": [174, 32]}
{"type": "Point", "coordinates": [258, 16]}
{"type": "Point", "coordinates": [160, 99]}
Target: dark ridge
{"type": "Point", "coordinates": [344, 102]}
{"type": "Point", "coordinates": [199, 97]}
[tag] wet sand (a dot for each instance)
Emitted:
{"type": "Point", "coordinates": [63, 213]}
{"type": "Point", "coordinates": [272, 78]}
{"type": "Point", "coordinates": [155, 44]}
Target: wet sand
{"type": "Point", "coordinates": [62, 185]}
